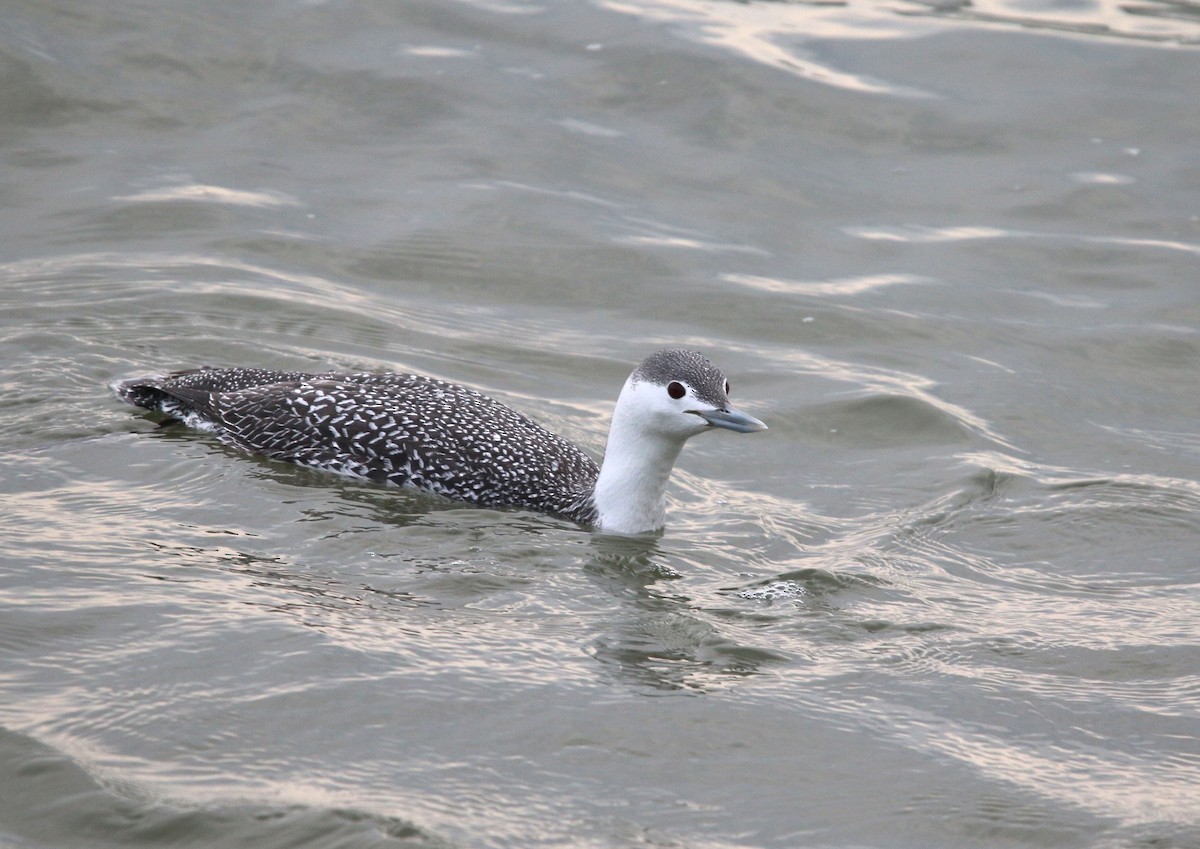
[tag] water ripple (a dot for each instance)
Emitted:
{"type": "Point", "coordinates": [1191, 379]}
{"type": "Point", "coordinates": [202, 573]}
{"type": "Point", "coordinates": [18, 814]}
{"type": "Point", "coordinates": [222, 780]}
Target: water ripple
{"type": "Point", "coordinates": [774, 34]}
{"type": "Point", "coordinates": [51, 798]}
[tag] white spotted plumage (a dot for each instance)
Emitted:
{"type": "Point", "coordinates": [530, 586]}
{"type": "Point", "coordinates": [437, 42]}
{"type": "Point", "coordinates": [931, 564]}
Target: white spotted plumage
{"type": "Point", "coordinates": [411, 430]}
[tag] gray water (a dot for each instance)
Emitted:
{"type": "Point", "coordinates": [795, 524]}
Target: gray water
{"type": "Point", "coordinates": [949, 252]}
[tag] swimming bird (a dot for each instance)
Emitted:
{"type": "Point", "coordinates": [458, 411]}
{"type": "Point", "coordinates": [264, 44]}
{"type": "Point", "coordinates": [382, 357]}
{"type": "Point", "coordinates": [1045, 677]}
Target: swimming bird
{"type": "Point", "coordinates": [416, 431]}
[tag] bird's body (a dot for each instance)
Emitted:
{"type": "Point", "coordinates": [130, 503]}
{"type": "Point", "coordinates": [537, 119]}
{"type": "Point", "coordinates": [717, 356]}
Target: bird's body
{"type": "Point", "coordinates": [416, 431]}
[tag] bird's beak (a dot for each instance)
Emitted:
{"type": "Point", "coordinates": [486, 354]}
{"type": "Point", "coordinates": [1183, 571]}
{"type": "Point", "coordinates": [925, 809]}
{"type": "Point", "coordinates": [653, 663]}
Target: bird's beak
{"type": "Point", "coordinates": [731, 419]}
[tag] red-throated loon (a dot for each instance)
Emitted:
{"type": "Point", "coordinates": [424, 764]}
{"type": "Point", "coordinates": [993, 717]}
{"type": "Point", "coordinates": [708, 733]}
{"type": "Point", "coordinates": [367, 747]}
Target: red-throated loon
{"type": "Point", "coordinates": [410, 430]}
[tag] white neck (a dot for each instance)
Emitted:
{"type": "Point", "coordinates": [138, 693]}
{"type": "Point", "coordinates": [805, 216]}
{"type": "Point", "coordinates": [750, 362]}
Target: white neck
{"type": "Point", "coordinates": [630, 493]}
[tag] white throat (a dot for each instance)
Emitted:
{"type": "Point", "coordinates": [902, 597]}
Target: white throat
{"type": "Point", "coordinates": [630, 493]}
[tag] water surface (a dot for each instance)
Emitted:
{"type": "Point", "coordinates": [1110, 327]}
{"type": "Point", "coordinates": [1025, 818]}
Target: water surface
{"type": "Point", "coordinates": [949, 252]}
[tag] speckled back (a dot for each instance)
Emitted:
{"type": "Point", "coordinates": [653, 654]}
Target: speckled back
{"type": "Point", "coordinates": [402, 429]}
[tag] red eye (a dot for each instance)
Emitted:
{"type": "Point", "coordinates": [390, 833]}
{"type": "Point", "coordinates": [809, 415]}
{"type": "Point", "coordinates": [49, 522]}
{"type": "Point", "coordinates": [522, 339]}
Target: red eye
{"type": "Point", "coordinates": [675, 389]}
